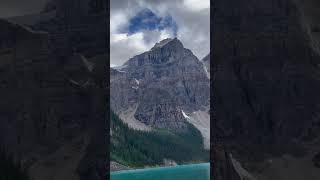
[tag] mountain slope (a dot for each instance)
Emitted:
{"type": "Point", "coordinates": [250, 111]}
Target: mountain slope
{"type": "Point", "coordinates": [139, 149]}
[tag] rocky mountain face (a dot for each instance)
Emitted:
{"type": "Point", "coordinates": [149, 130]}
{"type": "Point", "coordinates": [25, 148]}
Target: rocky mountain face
{"type": "Point", "coordinates": [311, 16]}
{"type": "Point", "coordinates": [266, 80]}
{"type": "Point", "coordinates": [223, 169]}
{"type": "Point", "coordinates": [52, 117]}
{"type": "Point", "coordinates": [160, 87]}
{"type": "Point", "coordinates": [206, 63]}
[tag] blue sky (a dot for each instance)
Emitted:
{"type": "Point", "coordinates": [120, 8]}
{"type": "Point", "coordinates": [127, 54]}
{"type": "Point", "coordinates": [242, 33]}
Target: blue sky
{"type": "Point", "coordinates": [136, 25]}
{"type": "Point", "coordinates": [148, 20]}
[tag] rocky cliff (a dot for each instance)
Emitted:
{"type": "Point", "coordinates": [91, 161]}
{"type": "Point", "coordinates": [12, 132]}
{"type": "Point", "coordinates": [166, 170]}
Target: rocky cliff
{"type": "Point", "coordinates": [160, 86]}
{"type": "Point", "coordinates": [223, 167]}
{"type": "Point", "coordinates": [266, 79]}
{"type": "Point", "coordinates": [52, 117]}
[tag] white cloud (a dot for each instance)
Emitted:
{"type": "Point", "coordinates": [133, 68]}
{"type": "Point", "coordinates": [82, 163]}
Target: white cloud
{"type": "Point", "coordinates": [192, 18]}
{"type": "Point", "coordinates": [117, 20]}
{"type": "Point", "coordinates": [165, 34]}
{"type": "Point", "coordinates": [197, 5]}
{"type": "Point", "coordinates": [123, 47]}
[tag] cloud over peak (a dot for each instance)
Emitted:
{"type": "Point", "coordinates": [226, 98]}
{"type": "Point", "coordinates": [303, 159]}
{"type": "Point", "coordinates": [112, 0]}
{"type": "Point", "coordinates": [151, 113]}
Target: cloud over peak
{"type": "Point", "coordinates": [136, 25]}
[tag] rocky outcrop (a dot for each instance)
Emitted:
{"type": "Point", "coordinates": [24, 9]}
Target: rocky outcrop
{"type": "Point", "coordinates": [266, 78]}
{"type": "Point", "coordinates": [310, 16]}
{"type": "Point", "coordinates": [222, 165]}
{"type": "Point", "coordinates": [162, 83]}
{"type": "Point", "coordinates": [158, 109]}
{"type": "Point", "coordinates": [114, 166]}
{"type": "Point", "coordinates": [52, 117]}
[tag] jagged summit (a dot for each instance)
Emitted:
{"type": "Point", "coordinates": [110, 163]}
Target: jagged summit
{"type": "Point", "coordinates": [166, 42]}
{"type": "Point", "coordinates": [162, 43]}
{"type": "Point", "coordinates": [166, 51]}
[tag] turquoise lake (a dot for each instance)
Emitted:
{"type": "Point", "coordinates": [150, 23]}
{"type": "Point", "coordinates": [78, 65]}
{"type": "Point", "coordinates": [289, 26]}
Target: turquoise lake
{"type": "Point", "coordinates": [183, 172]}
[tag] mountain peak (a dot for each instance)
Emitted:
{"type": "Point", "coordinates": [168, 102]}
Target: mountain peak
{"type": "Point", "coordinates": [168, 41]}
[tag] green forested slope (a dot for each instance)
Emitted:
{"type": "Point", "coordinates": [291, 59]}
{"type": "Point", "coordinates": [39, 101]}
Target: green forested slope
{"type": "Point", "coordinates": [137, 149]}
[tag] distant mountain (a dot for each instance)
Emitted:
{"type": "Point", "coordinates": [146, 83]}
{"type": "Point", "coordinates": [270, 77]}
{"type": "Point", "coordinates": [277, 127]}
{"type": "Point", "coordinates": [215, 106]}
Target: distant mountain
{"type": "Point", "coordinates": [165, 87]}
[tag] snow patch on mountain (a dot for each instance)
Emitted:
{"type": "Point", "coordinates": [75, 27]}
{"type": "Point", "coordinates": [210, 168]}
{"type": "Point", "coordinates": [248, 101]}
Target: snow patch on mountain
{"type": "Point", "coordinates": [206, 70]}
{"type": "Point", "coordinates": [185, 115]}
{"type": "Point", "coordinates": [137, 81]}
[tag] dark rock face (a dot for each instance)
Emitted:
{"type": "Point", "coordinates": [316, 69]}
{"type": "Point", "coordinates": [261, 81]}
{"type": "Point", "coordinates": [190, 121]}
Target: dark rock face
{"type": "Point", "coordinates": [52, 117]}
{"type": "Point", "coordinates": [157, 109]}
{"type": "Point", "coordinates": [161, 83]}
{"type": "Point", "coordinates": [265, 73]}
{"type": "Point", "coordinates": [73, 9]}
{"type": "Point", "coordinates": [311, 14]}
{"type": "Point", "coordinates": [316, 160]}
{"type": "Point", "coordinates": [266, 77]}
{"type": "Point", "coordinates": [172, 64]}
{"type": "Point", "coordinates": [223, 169]}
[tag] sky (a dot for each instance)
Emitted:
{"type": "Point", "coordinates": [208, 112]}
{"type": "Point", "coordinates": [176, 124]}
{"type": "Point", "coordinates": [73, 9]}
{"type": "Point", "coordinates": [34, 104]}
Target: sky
{"type": "Point", "coordinates": [9, 8]}
{"type": "Point", "coordinates": [136, 25]}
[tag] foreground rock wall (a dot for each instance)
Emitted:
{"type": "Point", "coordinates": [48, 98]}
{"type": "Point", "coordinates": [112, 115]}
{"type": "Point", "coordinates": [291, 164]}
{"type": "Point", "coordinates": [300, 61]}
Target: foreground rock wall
{"type": "Point", "coordinates": [265, 73]}
{"type": "Point", "coordinates": [266, 79]}
{"type": "Point", "coordinates": [52, 117]}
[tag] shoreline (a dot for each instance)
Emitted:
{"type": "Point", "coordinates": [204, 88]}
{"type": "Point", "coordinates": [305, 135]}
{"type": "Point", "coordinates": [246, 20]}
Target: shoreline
{"type": "Point", "coordinates": [157, 168]}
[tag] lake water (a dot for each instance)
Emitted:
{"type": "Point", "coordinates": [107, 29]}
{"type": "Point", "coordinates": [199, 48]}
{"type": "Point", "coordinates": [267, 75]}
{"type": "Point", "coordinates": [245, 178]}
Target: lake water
{"type": "Point", "coordinates": [184, 172]}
